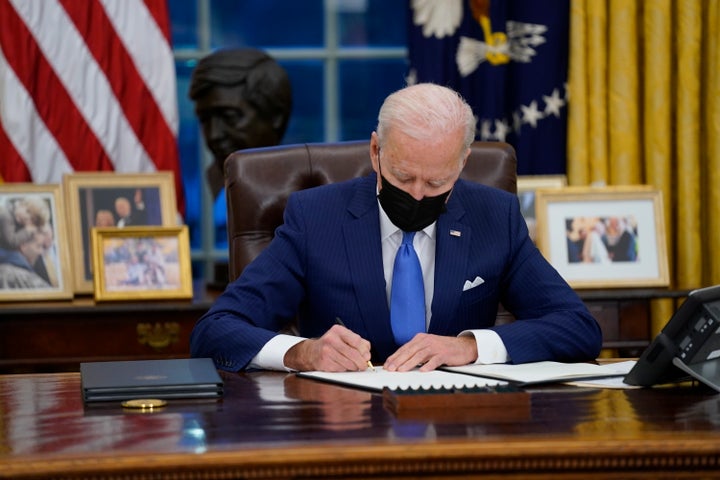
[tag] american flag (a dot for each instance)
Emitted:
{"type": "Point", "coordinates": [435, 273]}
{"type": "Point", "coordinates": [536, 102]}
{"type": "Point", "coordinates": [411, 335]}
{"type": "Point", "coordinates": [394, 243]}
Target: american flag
{"type": "Point", "coordinates": [86, 85]}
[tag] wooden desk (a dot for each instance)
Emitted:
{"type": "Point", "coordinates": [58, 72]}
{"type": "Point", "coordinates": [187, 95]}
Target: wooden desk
{"type": "Point", "coordinates": [272, 425]}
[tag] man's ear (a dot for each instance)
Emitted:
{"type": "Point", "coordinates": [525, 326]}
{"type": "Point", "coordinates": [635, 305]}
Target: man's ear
{"type": "Point", "coordinates": [375, 152]}
{"type": "Point", "coordinates": [467, 155]}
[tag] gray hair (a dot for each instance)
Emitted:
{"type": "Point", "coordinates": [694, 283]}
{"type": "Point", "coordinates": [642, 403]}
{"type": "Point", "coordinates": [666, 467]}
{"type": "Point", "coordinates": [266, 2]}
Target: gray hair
{"type": "Point", "coordinates": [425, 111]}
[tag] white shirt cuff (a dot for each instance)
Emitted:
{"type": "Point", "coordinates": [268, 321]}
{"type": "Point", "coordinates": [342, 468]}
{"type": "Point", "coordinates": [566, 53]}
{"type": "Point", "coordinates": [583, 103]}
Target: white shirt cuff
{"type": "Point", "coordinates": [271, 356]}
{"type": "Point", "coordinates": [490, 346]}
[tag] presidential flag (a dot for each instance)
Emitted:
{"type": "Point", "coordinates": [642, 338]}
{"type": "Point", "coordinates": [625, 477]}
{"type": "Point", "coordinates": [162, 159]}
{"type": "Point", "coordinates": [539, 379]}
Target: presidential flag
{"type": "Point", "coordinates": [86, 85]}
{"type": "Point", "coordinates": [509, 59]}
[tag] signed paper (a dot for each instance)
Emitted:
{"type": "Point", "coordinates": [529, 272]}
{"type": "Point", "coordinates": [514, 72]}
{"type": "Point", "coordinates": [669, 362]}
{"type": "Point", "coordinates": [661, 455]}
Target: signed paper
{"type": "Point", "coordinates": [414, 379]}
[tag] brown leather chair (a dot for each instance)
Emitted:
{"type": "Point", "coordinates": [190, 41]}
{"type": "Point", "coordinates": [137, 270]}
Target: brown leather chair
{"type": "Point", "coordinates": [258, 182]}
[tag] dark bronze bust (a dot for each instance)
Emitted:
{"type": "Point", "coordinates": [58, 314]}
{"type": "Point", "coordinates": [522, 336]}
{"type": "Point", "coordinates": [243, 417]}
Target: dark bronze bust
{"type": "Point", "coordinates": [243, 100]}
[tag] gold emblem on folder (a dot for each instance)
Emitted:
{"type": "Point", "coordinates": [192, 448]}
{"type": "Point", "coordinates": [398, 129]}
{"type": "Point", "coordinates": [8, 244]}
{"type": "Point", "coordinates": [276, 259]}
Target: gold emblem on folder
{"type": "Point", "coordinates": [144, 403]}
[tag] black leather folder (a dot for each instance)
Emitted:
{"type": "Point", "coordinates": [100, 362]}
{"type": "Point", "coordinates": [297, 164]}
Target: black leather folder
{"type": "Point", "coordinates": [190, 378]}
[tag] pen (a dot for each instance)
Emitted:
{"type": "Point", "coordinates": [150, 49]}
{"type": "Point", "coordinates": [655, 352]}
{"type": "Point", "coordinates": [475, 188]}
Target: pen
{"type": "Point", "coordinates": [340, 322]}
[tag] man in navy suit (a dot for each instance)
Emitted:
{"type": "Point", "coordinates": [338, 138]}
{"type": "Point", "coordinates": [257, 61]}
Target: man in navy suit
{"type": "Point", "coordinates": [333, 258]}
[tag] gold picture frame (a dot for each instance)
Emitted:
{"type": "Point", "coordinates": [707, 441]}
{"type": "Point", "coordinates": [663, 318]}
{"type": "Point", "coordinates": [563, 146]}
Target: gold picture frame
{"type": "Point", "coordinates": [526, 187]}
{"type": "Point", "coordinates": [34, 248]}
{"type": "Point", "coordinates": [90, 199]}
{"type": "Point", "coordinates": [141, 263]}
{"type": "Point", "coordinates": [604, 237]}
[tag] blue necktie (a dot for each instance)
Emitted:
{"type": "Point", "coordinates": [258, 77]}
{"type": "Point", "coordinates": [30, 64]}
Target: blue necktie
{"type": "Point", "coordinates": [407, 298]}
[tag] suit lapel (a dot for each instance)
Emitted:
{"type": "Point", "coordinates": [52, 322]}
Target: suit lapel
{"type": "Point", "coordinates": [362, 242]}
{"type": "Point", "coordinates": [452, 249]}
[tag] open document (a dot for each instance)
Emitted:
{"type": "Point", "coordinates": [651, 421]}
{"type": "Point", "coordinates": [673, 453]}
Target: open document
{"type": "Point", "coordinates": [413, 380]}
{"type": "Point", "coordinates": [544, 372]}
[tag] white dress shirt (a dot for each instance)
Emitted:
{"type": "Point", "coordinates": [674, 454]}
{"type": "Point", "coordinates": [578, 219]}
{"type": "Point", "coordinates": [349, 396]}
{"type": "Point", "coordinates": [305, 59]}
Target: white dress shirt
{"type": "Point", "coordinates": [489, 345]}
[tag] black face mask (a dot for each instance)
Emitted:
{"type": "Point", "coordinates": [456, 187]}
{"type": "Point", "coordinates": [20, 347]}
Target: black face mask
{"type": "Point", "coordinates": [405, 212]}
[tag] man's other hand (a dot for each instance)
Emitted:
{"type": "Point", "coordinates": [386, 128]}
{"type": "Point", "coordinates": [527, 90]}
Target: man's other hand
{"type": "Point", "coordinates": [431, 351]}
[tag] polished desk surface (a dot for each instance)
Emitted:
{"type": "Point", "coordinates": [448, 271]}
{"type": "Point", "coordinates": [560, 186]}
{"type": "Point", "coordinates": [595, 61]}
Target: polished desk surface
{"type": "Point", "coordinates": [274, 425]}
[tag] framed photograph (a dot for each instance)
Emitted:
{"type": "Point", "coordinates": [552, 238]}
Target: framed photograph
{"type": "Point", "coordinates": [34, 249]}
{"type": "Point", "coordinates": [105, 199]}
{"type": "Point", "coordinates": [141, 263]}
{"type": "Point", "coordinates": [604, 237]}
{"type": "Point", "coordinates": [526, 187]}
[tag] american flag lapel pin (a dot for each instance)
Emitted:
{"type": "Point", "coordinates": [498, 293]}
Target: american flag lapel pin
{"type": "Point", "coordinates": [455, 233]}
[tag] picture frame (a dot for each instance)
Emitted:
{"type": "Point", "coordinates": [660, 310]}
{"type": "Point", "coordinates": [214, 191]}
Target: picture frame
{"type": "Point", "coordinates": [34, 248]}
{"type": "Point", "coordinates": [604, 237]}
{"type": "Point", "coordinates": [90, 198]}
{"type": "Point", "coordinates": [141, 263]}
{"type": "Point", "coordinates": [526, 187]}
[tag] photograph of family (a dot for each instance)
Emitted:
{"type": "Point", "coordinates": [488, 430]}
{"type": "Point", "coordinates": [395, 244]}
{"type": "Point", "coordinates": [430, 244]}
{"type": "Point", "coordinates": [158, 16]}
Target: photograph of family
{"type": "Point", "coordinates": [602, 239]}
{"type": "Point", "coordinates": [141, 263]}
{"type": "Point", "coordinates": [33, 249]}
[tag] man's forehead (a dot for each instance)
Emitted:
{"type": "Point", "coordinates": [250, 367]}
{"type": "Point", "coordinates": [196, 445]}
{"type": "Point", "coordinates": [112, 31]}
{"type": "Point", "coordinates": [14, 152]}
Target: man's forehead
{"type": "Point", "coordinates": [407, 151]}
{"type": "Point", "coordinates": [396, 141]}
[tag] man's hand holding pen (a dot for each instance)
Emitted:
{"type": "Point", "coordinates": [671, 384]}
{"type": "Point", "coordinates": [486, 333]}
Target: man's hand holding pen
{"type": "Point", "coordinates": [339, 321]}
{"type": "Point", "coordinates": [338, 350]}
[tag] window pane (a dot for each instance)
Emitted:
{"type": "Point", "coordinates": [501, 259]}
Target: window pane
{"type": "Point", "coordinates": [364, 84]}
{"type": "Point", "coordinates": [372, 23]}
{"type": "Point", "coordinates": [183, 23]}
{"type": "Point", "coordinates": [266, 23]}
{"type": "Point", "coordinates": [306, 120]}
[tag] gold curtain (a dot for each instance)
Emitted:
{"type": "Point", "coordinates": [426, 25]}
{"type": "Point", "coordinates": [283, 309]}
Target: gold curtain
{"type": "Point", "coordinates": [644, 108]}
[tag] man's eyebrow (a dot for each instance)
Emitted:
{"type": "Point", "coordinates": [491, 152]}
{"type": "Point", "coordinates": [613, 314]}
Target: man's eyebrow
{"type": "Point", "coordinates": [439, 181]}
{"type": "Point", "coordinates": [401, 173]}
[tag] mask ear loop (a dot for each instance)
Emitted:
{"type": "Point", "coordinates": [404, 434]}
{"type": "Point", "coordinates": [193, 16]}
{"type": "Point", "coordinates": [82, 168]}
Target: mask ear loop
{"type": "Point", "coordinates": [379, 166]}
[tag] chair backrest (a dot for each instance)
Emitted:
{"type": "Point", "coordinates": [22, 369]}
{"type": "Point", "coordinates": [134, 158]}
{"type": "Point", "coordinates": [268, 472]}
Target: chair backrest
{"type": "Point", "coordinates": [258, 182]}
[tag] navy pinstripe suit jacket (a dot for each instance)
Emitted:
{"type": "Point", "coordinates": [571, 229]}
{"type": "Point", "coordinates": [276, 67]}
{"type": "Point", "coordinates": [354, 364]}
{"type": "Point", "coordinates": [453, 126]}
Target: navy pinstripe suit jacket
{"type": "Point", "coordinates": [325, 261]}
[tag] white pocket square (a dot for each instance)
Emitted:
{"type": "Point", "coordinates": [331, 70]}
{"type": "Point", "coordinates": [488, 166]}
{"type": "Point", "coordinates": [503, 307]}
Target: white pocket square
{"type": "Point", "coordinates": [468, 284]}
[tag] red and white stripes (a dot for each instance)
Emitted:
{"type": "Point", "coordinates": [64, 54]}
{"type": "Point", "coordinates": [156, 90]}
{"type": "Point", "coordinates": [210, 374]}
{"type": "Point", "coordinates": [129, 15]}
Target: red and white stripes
{"type": "Point", "coordinates": [86, 85]}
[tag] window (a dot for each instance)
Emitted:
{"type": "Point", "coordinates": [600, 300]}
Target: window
{"type": "Point", "coordinates": [343, 58]}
